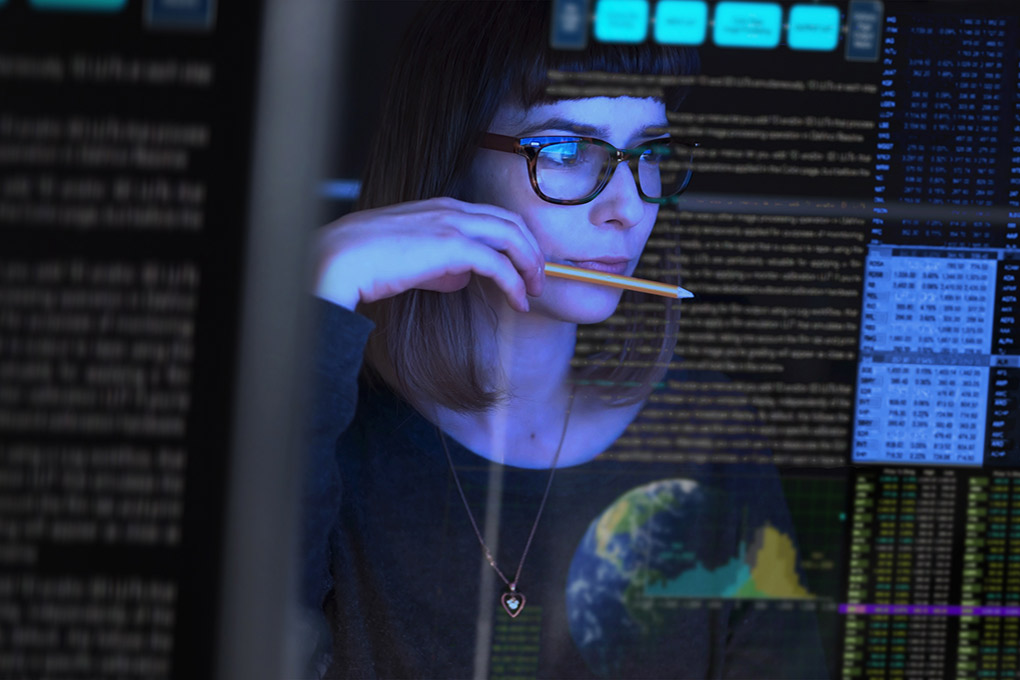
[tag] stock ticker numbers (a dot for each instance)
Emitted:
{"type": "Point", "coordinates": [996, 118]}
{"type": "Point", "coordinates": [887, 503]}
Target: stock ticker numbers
{"type": "Point", "coordinates": [938, 358]}
{"type": "Point", "coordinates": [990, 589]}
{"type": "Point", "coordinates": [933, 586]}
{"type": "Point", "coordinates": [934, 575]}
{"type": "Point", "coordinates": [939, 361]}
{"type": "Point", "coordinates": [901, 556]}
{"type": "Point", "coordinates": [942, 160]}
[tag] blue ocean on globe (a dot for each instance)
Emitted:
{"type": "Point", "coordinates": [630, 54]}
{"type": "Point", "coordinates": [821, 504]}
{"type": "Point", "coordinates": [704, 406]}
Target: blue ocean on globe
{"type": "Point", "coordinates": [653, 534]}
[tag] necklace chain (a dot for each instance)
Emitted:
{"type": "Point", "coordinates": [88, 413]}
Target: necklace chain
{"type": "Point", "coordinates": [545, 496]}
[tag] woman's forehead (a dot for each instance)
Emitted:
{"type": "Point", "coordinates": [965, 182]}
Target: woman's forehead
{"type": "Point", "coordinates": [595, 116]}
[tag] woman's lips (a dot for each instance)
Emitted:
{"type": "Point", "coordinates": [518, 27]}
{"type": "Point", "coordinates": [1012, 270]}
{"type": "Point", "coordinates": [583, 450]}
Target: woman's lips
{"type": "Point", "coordinates": [609, 266]}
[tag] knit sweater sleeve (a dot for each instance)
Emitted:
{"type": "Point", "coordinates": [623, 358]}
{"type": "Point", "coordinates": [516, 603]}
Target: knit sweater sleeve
{"type": "Point", "coordinates": [340, 340]}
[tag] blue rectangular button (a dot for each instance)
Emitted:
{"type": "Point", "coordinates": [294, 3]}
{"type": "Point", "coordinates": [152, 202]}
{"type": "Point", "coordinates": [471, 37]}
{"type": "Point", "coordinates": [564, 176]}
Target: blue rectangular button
{"type": "Point", "coordinates": [80, 5]}
{"type": "Point", "coordinates": [681, 22]}
{"type": "Point", "coordinates": [864, 30]}
{"type": "Point", "coordinates": [747, 24]}
{"type": "Point", "coordinates": [180, 14]}
{"type": "Point", "coordinates": [621, 21]}
{"type": "Point", "coordinates": [813, 27]}
{"type": "Point", "coordinates": [569, 25]}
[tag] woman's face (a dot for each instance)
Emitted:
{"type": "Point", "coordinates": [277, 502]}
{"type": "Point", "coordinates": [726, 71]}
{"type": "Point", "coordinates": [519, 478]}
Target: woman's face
{"type": "Point", "coordinates": [607, 233]}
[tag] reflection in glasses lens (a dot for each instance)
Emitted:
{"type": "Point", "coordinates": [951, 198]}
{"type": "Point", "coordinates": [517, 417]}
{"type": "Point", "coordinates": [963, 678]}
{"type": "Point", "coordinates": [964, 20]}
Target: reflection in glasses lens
{"type": "Point", "coordinates": [575, 170]}
{"type": "Point", "coordinates": [570, 170]}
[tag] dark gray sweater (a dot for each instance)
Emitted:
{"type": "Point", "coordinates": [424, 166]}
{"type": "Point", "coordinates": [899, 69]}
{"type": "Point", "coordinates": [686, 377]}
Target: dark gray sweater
{"type": "Point", "coordinates": [631, 573]}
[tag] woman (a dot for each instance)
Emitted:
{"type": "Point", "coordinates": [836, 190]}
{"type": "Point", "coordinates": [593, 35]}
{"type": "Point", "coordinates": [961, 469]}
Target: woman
{"type": "Point", "coordinates": [464, 495]}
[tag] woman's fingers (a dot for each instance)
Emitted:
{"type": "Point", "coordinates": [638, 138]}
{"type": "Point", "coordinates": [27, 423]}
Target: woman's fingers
{"type": "Point", "coordinates": [499, 227]}
{"type": "Point", "coordinates": [497, 267]}
{"type": "Point", "coordinates": [507, 237]}
{"type": "Point", "coordinates": [503, 213]}
{"type": "Point", "coordinates": [435, 245]}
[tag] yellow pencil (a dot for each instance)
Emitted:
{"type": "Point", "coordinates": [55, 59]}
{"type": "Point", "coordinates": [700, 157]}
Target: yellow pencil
{"type": "Point", "coordinates": [564, 271]}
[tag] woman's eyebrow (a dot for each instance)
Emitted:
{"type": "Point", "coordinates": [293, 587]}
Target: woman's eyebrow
{"type": "Point", "coordinates": [566, 124]}
{"type": "Point", "coordinates": [585, 130]}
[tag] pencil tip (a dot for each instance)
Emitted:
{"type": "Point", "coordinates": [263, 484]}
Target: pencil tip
{"type": "Point", "coordinates": [684, 293]}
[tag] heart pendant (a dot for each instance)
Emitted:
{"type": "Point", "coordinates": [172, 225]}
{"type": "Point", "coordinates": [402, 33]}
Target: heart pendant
{"type": "Point", "coordinates": [513, 603]}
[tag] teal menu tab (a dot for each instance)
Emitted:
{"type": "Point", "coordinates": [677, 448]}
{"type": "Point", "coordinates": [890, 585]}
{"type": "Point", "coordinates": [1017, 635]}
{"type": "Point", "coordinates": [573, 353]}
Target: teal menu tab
{"type": "Point", "coordinates": [813, 27]}
{"type": "Point", "coordinates": [681, 22]}
{"type": "Point", "coordinates": [621, 21]}
{"type": "Point", "coordinates": [747, 24]}
{"type": "Point", "coordinates": [80, 5]}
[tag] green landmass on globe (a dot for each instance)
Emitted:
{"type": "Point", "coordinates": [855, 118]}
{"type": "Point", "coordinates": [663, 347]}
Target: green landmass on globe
{"type": "Point", "coordinates": [659, 544]}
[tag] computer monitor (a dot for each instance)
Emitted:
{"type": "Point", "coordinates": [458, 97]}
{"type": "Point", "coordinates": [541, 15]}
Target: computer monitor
{"type": "Point", "coordinates": [848, 234]}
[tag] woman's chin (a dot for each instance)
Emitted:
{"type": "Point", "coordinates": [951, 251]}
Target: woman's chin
{"type": "Point", "coordinates": [582, 303]}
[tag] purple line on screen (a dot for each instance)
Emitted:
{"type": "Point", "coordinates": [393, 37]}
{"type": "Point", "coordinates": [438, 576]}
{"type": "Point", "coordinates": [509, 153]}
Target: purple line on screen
{"type": "Point", "coordinates": [927, 610]}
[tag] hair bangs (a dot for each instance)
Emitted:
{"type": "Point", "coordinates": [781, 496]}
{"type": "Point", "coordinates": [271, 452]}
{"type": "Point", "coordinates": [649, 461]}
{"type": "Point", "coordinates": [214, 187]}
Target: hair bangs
{"type": "Point", "coordinates": [527, 63]}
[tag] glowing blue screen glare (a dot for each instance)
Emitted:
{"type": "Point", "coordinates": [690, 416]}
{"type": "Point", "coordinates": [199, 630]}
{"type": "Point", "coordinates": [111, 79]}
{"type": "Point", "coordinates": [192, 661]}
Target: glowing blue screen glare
{"type": "Point", "coordinates": [681, 22]}
{"type": "Point", "coordinates": [621, 21]}
{"type": "Point", "coordinates": [813, 27]}
{"type": "Point", "coordinates": [747, 24]}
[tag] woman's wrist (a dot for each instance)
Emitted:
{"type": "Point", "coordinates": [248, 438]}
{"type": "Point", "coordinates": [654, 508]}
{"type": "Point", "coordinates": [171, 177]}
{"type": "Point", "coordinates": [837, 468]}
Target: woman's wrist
{"type": "Point", "coordinates": [334, 285]}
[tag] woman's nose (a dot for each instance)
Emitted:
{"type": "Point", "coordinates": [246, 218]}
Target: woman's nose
{"type": "Point", "coordinates": [620, 202]}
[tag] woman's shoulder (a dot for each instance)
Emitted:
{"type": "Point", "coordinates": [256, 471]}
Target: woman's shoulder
{"type": "Point", "coordinates": [338, 328]}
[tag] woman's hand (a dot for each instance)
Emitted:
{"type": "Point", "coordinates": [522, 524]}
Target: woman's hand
{"type": "Point", "coordinates": [435, 244]}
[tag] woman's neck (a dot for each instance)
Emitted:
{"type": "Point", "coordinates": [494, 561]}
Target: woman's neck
{"type": "Point", "coordinates": [529, 356]}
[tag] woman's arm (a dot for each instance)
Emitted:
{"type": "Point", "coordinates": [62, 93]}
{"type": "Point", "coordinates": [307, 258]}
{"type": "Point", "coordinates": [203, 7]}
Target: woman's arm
{"type": "Point", "coordinates": [340, 342]}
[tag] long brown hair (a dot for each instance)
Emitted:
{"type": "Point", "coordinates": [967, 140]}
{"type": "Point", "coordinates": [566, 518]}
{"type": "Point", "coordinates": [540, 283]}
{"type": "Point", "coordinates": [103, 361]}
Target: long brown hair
{"type": "Point", "coordinates": [457, 64]}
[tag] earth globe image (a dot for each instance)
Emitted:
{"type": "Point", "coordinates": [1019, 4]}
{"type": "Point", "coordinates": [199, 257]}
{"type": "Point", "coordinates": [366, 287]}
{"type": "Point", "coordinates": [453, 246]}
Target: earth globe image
{"type": "Point", "coordinates": [654, 548]}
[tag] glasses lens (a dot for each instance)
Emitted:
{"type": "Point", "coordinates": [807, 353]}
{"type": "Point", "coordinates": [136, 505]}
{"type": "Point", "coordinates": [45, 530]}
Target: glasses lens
{"type": "Point", "coordinates": [570, 171]}
{"type": "Point", "coordinates": [664, 168]}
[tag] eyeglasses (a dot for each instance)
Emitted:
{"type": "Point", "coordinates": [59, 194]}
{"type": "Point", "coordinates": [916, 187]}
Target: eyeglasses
{"type": "Point", "coordinates": [574, 170]}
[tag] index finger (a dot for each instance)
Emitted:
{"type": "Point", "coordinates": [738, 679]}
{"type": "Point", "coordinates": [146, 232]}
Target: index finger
{"type": "Point", "coordinates": [508, 215]}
